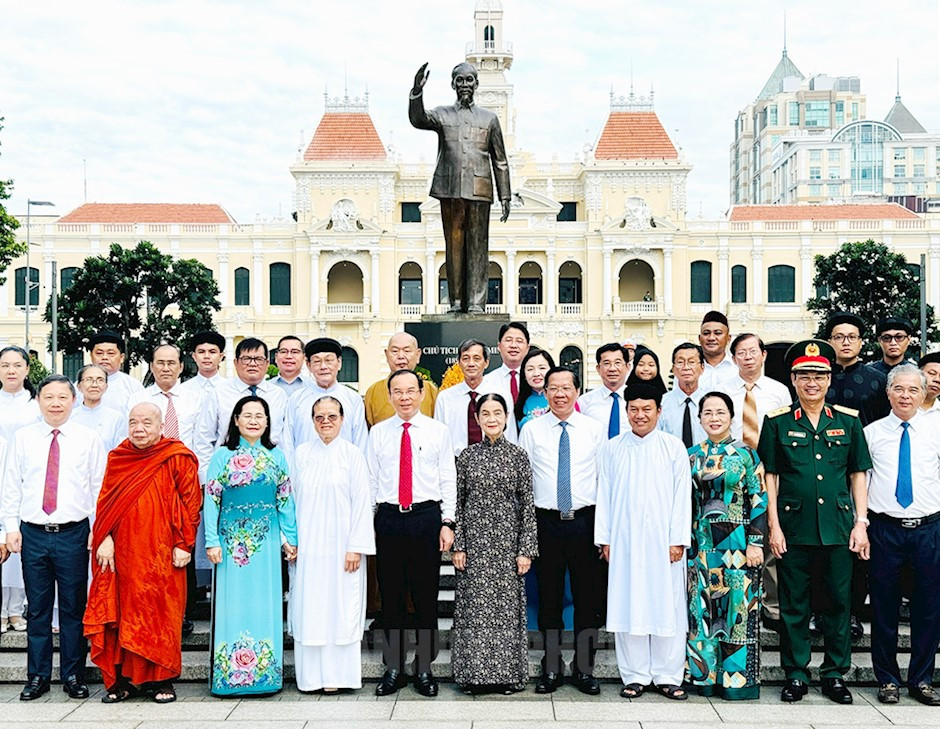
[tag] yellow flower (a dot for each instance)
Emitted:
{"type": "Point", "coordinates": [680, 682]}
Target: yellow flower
{"type": "Point", "coordinates": [453, 376]}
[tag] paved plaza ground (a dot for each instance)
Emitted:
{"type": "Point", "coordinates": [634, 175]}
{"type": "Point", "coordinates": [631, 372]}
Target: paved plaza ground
{"type": "Point", "coordinates": [566, 709]}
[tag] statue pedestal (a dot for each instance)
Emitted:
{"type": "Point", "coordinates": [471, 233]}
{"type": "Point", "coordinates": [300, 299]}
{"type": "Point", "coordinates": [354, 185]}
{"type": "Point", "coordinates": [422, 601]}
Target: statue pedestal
{"type": "Point", "coordinates": [439, 336]}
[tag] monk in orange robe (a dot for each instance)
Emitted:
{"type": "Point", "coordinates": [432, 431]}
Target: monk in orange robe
{"type": "Point", "coordinates": [144, 533]}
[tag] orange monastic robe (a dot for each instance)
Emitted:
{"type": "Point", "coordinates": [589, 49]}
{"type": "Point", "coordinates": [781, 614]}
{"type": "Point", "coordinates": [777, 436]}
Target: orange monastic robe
{"type": "Point", "coordinates": [149, 504]}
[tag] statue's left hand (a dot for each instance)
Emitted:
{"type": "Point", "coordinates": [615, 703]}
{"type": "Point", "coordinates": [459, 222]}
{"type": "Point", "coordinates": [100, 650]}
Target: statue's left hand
{"type": "Point", "coordinates": [505, 216]}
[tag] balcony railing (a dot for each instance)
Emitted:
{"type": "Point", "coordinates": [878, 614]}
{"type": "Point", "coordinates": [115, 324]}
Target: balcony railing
{"type": "Point", "coordinates": [570, 309]}
{"type": "Point", "coordinates": [495, 309]}
{"type": "Point", "coordinates": [638, 308]}
{"type": "Point", "coordinates": [346, 309]}
{"type": "Point", "coordinates": [410, 310]}
{"type": "Point", "coordinates": [531, 309]}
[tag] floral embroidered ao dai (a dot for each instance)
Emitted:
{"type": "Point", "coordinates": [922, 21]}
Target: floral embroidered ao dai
{"type": "Point", "coordinates": [729, 507]}
{"type": "Point", "coordinates": [249, 513]}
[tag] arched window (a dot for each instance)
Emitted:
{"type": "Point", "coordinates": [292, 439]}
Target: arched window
{"type": "Point", "coordinates": [738, 285]}
{"type": "Point", "coordinates": [569, 283]}
{"type": "Point", "coordinates": [280, 284]}
{"type": "Point", "coordinates": [443, 288]}
{"type": "Point", "coordinates": [489, 38]}
{"type": "Point", "coordinates": [242, 291]}
{"type": "Point", "coordinates": [781, 284]}
{"type": "Point", "coordinates": [701, 284]}
{"type": "Point", "coordinates": [349, 372]}
{"type": "Point", "coordinates": [65, 278]}
{"type": "Point", "coordinates": [410, 284]}
{"type": "Point", "coordinates": [530, 283]}
{"type": "Point", "coordinates": [20, 287]}
{"type": "Point", "coordinates": [572, 358]}
{"type": "Point", "coordinates": [494, 284]}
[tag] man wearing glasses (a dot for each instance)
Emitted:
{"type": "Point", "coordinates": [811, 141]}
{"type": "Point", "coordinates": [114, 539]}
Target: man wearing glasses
{"type": "Point", "coordinates": [894, 335]}
{"type": "Point", "coordinates": [289, 358]}
{"type": "Point", "coordinates": [855, 385]}
{"type": "Point", "coordinates": [815, 458]}
{"type": "Point", "coordinates": [680, 404]}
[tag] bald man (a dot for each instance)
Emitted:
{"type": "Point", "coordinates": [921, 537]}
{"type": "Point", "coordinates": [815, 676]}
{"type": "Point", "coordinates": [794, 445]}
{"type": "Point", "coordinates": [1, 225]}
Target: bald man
{"type": "Point", "coordinates": [402, 353]}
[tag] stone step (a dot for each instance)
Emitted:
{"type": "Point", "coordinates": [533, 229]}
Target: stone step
{"type": "Point", "coordinates": [196, 667]}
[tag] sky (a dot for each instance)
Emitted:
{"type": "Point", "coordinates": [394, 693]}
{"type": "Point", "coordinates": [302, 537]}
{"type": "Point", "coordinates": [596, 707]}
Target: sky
{"type": "Point", "coordinates": [205, 101]}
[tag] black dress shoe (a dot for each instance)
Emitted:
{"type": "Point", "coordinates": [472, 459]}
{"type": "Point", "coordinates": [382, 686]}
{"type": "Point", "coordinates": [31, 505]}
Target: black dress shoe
{"type": "Point", "coordinates": [392, 680]}
{"type": "Point", "coordinates": [188, 627]}
{"type": "Point", "coordinates": [74, 688]}
{"type": "Point", "coordinates": [856, 627]}
{"type": "Point", "coordinates": [774, 624]}
{"type": "Point", "coordinates": [586, 683]}
{"type": "Point", "coordinates": [836, 690]}
{"type": "Point", "coordinates": [34, 688]}
{"type": "Point", "coordinates": [548, 682]}
{"type": "Point", "coordinates": [426, 684]}
{"type": "Point", "coordinates": [793, 690]}
{"type": "Point", "coordinates": [925, 694]}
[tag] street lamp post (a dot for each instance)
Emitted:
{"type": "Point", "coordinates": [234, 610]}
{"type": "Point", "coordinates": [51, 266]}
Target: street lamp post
{"type": "Point", "coordinates": [29, 270]}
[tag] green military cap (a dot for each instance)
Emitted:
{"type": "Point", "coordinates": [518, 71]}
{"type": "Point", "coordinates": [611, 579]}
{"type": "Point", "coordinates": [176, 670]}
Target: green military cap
{"type": "Point", "coordinates": [810, 355]}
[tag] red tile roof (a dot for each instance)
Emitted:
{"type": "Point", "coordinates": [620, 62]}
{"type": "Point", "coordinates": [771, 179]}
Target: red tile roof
{"type": "Point", "coordinates": [345, 136]}
{"type": "Point", "coordinates": [146, 213]}
{"type": "Point", "coordinates": [634, 135]}
{"type": "Point", "coordinates": [849, 211]}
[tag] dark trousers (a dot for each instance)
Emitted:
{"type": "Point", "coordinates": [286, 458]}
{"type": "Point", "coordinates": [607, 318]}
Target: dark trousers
{"type": "Point", "coordinates": [408, 559]}
{"type": "Point", "coordinates": [51, 560]}
{"type": "Point", "coordinates": [800, 570]}
{"type": "Point", "coordinates": [569, 546]}
{"type": "Point", "coordinates": [860, 579]}
{"type": "Point", "coordinates": [893, 546]}
{"type": "Point", "coordinates": [466, 252]}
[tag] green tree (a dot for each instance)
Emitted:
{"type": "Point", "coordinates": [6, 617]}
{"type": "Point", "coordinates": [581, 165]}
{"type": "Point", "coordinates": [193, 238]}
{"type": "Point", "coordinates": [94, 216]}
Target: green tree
{"type": "Point", "coordinates": [140, 293]}
{"type": "Point", "coordinates": [10, 247]}
{"type": "Point", "coordinates": [869, 280]}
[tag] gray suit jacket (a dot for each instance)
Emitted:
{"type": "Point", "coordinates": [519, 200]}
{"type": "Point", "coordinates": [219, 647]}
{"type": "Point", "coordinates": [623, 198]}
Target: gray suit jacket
{"type": "Point", "coordinates": [470, 151]}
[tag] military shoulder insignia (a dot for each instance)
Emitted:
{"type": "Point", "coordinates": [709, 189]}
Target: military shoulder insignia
{"type": "Point", "coordinates": [848, 411]}
{"type": "Point", "coordinates": [778, 411]}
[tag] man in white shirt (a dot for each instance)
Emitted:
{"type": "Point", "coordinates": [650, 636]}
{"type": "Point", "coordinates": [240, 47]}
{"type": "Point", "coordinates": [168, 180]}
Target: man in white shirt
{"type": "Point", "coordinates": [107, 422]}
{"type": "Point", "coordinates": [752, 392]}
{"type": "Point", "coordinates": [904, 508]}
{"type": "Point", "coordinates": [289, 358]}
{"type": "Point", "coordinates": [413, 480]}
{"type": "Point", "coordinates": [513, 346]}
{"type": "Point", "coordinates": [208, 352]}
{"type": "Point", "coordinates": [605, 404]}
{"type": "Point", "coordinates": [714, 335]}
{"type": "Point", "coordinates": [324, 361]}
{"type": "Point", "coordinates": [107, 350]}
{"type": "Point", "coordinates": [180, 410]}
{"type": "Point", "coordinates": [50, 489]}
{"type": "Point", "coordinates": [455, 406]}
{"type": "Point", "coordinates": [930, 365]}
{"type": "Point", "coordinates": [562, 446]}
{"type": "Point", "coordinates": [680, 405]}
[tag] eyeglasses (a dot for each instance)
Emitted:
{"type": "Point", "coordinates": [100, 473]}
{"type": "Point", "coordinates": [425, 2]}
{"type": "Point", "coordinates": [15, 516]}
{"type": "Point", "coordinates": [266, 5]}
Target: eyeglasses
{"type": "Point", "coordinates": [331, 418]}
{"type": "Point", "coordinates": [682, 364]}
{"type": "Point", "coordinates": [320, 361]}
{"type": "Point", "coordinates": [812, 378]}
{"type": "Point", "coordinates": [413, 392]}
{"type": "Point", "coordinates": [839, 338]}
{"type": "Point", "coordinates": [93, 380]}
{"type": "Point", "coordinates": [253, 418]}
{"type": "Point", "coordinates": [293, 352]}
{"type": "Point", "coordinates": [565, 389]}
{"type": "Point", "coordinates": [893, 337]}
{"type": "Point", "coordinates": [252, 360]}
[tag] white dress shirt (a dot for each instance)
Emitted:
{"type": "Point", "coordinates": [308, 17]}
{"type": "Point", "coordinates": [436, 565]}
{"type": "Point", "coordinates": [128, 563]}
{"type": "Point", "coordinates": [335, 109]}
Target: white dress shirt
{"type": "Point", "coordinates": [82, 461]}
{"type": "Point", "coordinates": [217, 407]}
{"type": "Point", "coordinates": [596, 404]}
{"type": "Point", "coordinates": [933, 409]}
{"type": "Point", "coordinates": [674, 412]}
{"type": "Point", "coordinates": [298, 422]}
{"type": "Point", "coordinates": [884, 443]}
{"type": "Point", "coordinates": [120, 388]}
{"type": "Point", "coordinates": [500, 380]}
{"type": "Point", "coordinates": [769, 395]}
{"type": "Point", "coordinates": [16, 410]}
{"type": "Point", "coordinates": [452, 406]}
{"type": "Point", "coordinates": [433, 469]}
{"type": "Point", "coordinates": [717, 376]}
{"type": "Point", "coordinates": [540, 439]}
{"type": "Point", "coordinates": [198, 383]}
{"type": "Point", "coordinates": [108, 423]}
{"type": "Point", "coordinates": [188, 407]}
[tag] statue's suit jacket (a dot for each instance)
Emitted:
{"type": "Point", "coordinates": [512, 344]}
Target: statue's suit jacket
{"type": "Point", "coordinates": [470, 151]}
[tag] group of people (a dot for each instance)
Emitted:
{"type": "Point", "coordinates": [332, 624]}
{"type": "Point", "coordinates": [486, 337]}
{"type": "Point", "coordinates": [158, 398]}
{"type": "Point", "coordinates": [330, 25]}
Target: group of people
{"type": "Point", "coordinates": [682, 518]}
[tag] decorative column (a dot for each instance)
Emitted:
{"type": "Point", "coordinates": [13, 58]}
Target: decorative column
{"type": "Point", "coordinates": [757, 266]}
{"type": "Point", "coordinates": [223, 279]}
{"type": "Point", "coordinates": [552, 283]}
{"type": "Point", "coordinates": [430, 280]}
{"type": "Point", "coordinates": [511, 294]}
{"type": "Point", "coordinates": [257, 284]}
{"type": "Point", "coordinates": [933, 273]}
{"type": "Point", "coordinates": [806, 269]}
{"type": "Point", "coordinates": [375, 281]}
{"type": "Point", "coordinates": [723, 275]}
{"type": "Point", "coordinates": [667, 280]}
{"type": "Point", "coordinates": [229, 356]}
{"type": "Point", "coordinates": [314, 283]}
{"type": "Point", "coordinates": [48, 257]}
{"type": "Point", "coordinates": [606, 284]}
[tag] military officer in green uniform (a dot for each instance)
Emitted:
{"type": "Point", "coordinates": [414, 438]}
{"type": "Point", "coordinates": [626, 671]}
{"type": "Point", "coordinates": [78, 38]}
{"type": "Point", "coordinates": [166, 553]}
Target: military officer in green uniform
{"type": "Point", "coordinates": [815, 458]}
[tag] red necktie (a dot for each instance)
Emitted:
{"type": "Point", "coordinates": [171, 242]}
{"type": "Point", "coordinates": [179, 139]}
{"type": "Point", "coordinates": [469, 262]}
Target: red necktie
{"type": "Point", "coordinates": [474, 434]}
{"type": "Point", "coordinates": [171, 424]}
{"type": "Point", "coordinates": [404, 468]}
{"type": "Point", "coordinates": [50, 493]}
{"type": "Point", "coordinates": [514, 385]}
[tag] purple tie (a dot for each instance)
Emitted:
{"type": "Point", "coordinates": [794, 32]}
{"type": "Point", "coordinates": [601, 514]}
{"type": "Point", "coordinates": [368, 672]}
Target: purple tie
{"type": "Point", "coordinates": [51, 492]}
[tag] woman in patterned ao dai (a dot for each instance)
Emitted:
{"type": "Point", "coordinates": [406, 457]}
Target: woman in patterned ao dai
{"type": "Point", "coordinates": [728, 516]}
{"type": "Point", "coordinates": [494, 544]}
{"type": "Point", "coordinates": [249, 517]}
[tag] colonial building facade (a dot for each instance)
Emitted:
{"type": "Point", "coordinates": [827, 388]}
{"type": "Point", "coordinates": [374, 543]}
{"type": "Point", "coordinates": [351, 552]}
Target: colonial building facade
{"type": "Point", "coordinates": [596, 249]}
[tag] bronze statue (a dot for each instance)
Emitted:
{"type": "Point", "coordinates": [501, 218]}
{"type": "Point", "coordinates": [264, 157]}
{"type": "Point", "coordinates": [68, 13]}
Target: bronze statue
{"type": "Point", "coordinates": [470, 151]}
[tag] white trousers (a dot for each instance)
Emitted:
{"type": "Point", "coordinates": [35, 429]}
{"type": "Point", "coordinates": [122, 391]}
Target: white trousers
{"type": "Point", "coordinates": [328, 666]}
{"type": "Point", "coordinates": [14, 600]}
